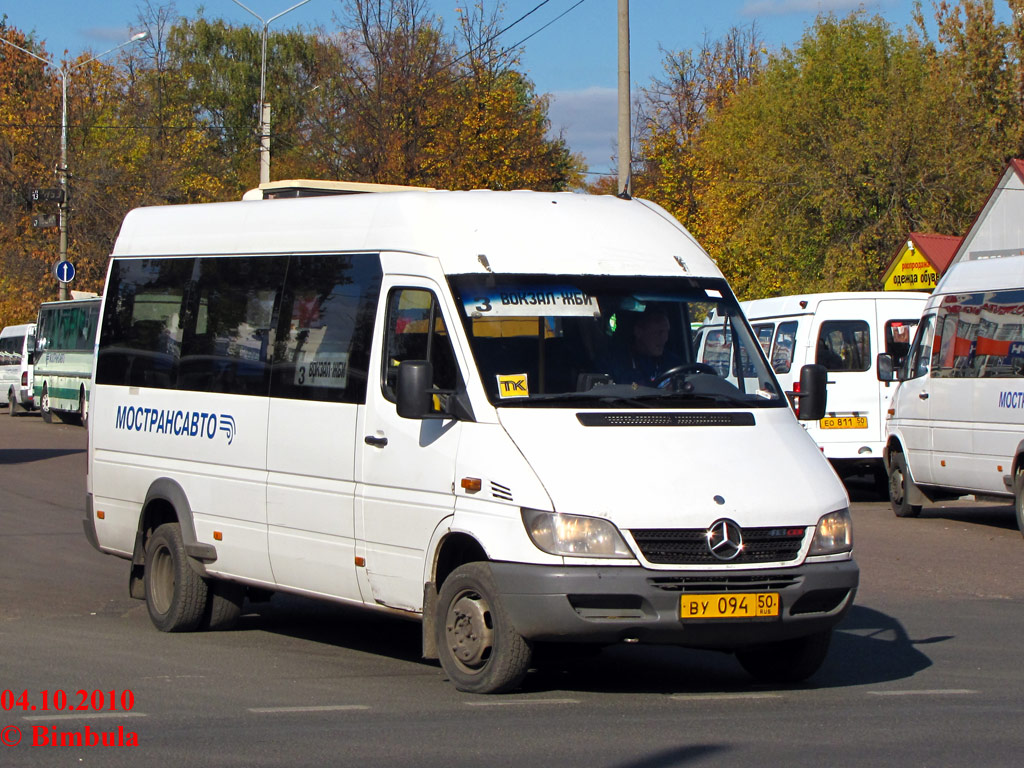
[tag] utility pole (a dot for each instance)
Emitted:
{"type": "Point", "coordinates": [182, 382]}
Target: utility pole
{"type": "Point", "coordinates": [625, 141]}
{"type": "Point", "coordinates": [263, 110]}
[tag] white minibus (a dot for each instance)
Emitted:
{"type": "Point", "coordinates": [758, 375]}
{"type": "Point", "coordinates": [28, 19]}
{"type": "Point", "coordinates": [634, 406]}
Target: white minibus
{"type": "Point", "coordinates": [843, 332]}
{"type": "Point", "coordinates": [16, 343]}
{"type": "Point", "coordinates": [481, 410]}
{"type": "Point", "coordinates": [956, 422]}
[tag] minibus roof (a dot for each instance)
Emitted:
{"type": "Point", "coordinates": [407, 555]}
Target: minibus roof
{"type": "Point", "coordinates": [476, 231]}
{"type": "Point", "coordinates": [807, 303]}
{"type": "Point", "coordinates": [1000, 273]}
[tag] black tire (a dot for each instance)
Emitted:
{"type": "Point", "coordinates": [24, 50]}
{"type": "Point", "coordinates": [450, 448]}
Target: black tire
{"type": "Point", "coordinates": [899, 478]}
{"type": "Point", "coordinates": [176, 595]}
{"type": "Point", "coordinates": [44, 406]}
{"type": "Point", "coordinates": [223, 606]}
{"type": "Point", "coordinates": [786, 661]}
{"type": "Point", "coordinates": [477, 644]}
{"type": "Point", "coordinates": [1018, 498]}
{"type": "Point", "coordinates": [12, 403]}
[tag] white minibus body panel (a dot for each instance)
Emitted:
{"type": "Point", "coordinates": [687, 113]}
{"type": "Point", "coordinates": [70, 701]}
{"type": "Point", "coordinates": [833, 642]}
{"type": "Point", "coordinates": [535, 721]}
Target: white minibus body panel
{"type": "Point", "coordinates": [16, 367]}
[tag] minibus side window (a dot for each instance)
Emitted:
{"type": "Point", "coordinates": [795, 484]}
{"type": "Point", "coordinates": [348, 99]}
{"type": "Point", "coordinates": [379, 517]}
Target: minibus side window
{"type": "Point", "coordinates": [920, 356]}
{"type": "Point", "coordinates": [764, 332]}
{"type": "Point", "coordinates": [415, 330]}
{"type": "Point", "coordinates": [782, 350]}
{"type": "Point", "coordinates": [229, 306]}
{"type": "Point", "coordinates": [140, 339]}
{"type": "Point", "coordinates": [324, 330]}
{"type": "Point", "coordinates": [898, 334]}
{"type": "Point", "coordinates": [844, 345]}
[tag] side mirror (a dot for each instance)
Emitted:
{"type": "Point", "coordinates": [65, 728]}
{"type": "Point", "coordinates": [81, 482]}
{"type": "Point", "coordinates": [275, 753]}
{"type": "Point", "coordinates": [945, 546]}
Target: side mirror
{"type": "Point", "coordinates": [414, 389]}
{"type": "Point", "coordinates": [884, 367]}
{"type": "Point", "coordinates": [813, 379]}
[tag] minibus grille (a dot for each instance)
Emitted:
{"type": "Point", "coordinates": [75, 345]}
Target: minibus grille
{"type": "Point", "coordinates": [630, 419]}
{"type": "Point", "coordinates": [689, 546]}
{"type": "Point", "coordinates": [724, 583]}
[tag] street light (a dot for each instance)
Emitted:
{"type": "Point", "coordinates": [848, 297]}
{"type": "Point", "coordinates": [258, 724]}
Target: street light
{"type": "Point", "coordinates": [263, 112]}
{"type": "Point", "coordinates": [62, 169]}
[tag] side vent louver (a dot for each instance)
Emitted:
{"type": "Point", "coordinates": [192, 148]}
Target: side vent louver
{"type": "Point", "coordinates": [500, 491]}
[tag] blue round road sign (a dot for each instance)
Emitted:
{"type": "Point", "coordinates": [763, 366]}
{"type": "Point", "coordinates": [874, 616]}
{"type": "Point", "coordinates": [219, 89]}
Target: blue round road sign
{"type": "Point", "coordinates": [64, 271]}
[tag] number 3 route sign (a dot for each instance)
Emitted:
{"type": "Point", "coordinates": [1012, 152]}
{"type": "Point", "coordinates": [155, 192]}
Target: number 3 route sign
{"type": "Point", "coordinates": [64, 271]}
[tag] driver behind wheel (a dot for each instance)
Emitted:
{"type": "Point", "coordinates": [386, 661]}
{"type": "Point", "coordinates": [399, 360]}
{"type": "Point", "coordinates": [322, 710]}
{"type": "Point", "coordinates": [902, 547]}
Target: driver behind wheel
{"type": "Point", "coordinates": [648, 356]}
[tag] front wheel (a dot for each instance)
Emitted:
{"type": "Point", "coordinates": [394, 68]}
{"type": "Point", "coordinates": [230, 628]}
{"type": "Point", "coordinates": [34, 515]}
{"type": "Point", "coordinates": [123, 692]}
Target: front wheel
{"type": "Point", "coordinates": [476, 642]}
{"type": "Point", "coordinates": [786, 661]}
{"type": "Point", "coordinates": [176, 595]}
{"type": "Point", "coordinates": [899, 481]}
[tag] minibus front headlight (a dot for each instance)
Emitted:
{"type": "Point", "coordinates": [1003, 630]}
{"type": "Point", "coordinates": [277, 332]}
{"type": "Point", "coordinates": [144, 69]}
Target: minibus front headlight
{"type": "Point", "coordinates": [574, 535]}
{"type": "Point", "coordinates": [833, 535]}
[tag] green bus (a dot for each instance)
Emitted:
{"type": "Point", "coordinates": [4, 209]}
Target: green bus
{"type": "Point", "coordinates": [64, 356]}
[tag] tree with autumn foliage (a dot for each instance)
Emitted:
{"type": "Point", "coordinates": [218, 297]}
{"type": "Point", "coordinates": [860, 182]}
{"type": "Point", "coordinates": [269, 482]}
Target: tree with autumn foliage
{"type": "Point", "coordinates": [807, 174]}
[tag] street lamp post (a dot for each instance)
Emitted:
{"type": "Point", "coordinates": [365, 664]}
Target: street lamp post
{"type": "Point", "coordinates": [62, 170]}
{"type": "Point", "coordinates": [263, 110]}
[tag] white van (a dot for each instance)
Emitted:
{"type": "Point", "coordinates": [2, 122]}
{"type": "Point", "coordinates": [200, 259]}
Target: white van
{"type": "Point", "coordinates": [956, 423]}
{"type": "Point", "coordinates": [437, 404]}
{"type": "Point", "coordinates": [16, 345]}
{"type": "Point", "coordinates": [844, 332]}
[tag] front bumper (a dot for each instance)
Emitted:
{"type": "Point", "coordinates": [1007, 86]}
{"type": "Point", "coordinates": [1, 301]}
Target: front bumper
{"type": "Point", "coordinates": [631, 603]}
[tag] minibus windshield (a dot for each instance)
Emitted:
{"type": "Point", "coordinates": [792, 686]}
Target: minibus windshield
{"type": "Point", "coordinates": [611, 341]}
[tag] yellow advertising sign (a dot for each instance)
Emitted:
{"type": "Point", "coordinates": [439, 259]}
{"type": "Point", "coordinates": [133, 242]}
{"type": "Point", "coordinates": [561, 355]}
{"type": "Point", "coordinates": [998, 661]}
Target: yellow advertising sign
{"type": "Point", "coordinates": [512, 385]}
{"type": "Point", "coordinates": [911, 272]}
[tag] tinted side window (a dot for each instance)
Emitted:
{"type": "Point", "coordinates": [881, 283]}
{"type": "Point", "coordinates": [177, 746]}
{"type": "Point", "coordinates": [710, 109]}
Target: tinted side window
{"type": "Point", "coordinates": [782, 350]}
{"type": "Point", "coordinates": [228, 312]}
{"type": "Point", "coordinates": [416, 330]}
{"type": "Point", "coordinates": [325, 328]}
{"type": "Point", "coordinates": [763, 332]}
{"type": "Point", "coordinates": [140, 339]}
{"type": "Point", "coordinates": [980, 335]}
{"type": "Point", "coordinates": [844, 345]}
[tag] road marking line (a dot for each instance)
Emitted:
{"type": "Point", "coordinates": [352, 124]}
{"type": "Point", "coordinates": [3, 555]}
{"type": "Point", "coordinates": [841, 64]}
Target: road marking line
{"type": "Point", "coordinates": [325, 708]}
{"type": "Point", "coordinates": [519, 702]}
{"type": "Point", "coordinates": [723, 696]}
{"type": "Point", "coordinates": [86, 716]}
{"type": "Point", "coordinates": [926, 692]}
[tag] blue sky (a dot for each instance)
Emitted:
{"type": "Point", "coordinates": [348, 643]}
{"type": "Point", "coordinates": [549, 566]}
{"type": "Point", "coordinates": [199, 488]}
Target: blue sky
{"type": "Point", "coordinates": [573, 59]}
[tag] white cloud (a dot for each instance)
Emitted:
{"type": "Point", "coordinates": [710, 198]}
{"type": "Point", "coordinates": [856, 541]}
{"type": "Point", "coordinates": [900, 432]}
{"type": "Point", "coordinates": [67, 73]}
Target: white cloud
{"type": "Point", "coordinates": [588, 121]}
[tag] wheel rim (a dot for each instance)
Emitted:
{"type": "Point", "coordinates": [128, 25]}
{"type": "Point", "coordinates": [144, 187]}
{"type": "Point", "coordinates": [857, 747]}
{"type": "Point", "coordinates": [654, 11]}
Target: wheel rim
{"type": "Point", "coordinates": [161, 579]}
{"type": "Point", "coordinates": [469, 629]}
{"type": "Point", "coordinates": [44, 401]}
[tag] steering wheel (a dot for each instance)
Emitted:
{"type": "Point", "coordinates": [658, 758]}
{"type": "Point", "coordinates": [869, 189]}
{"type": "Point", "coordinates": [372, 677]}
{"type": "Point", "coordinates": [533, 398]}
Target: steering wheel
{"type": "Point", "coordinates": [678, 370]}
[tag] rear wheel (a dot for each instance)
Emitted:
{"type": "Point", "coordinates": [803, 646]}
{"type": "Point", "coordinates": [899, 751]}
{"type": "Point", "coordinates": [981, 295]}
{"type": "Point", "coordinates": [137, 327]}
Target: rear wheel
{"type": "Point", "coordinates": [12, 403]}
{"type": "Point", "coordinates": [176, 595]}
{"type": "Point", "coordinates": [44, 406]}
{"type": "Point", "coordinates": [899, 481]}
{"type": "Point", "coordinates": [476, 642]}
{"type": "Point", "coordinates": [786, 661]}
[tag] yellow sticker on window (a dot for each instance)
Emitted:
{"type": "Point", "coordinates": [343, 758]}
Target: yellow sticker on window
{"type": "Point", "coordinates": [512, 385]}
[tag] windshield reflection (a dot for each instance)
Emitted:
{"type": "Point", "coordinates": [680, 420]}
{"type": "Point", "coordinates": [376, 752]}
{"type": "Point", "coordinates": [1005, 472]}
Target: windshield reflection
{"type": "Point", "coordinates": [611, 341]}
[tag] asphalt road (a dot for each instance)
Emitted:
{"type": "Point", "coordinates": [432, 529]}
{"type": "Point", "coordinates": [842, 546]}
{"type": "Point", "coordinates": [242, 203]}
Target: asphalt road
{"type": "Point", "coordinates": [925, 670]}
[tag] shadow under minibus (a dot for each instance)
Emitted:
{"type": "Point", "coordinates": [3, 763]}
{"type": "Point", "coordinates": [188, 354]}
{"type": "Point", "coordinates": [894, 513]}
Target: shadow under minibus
{"type": "Point", "coordinates": [869, 647]}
